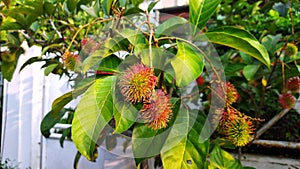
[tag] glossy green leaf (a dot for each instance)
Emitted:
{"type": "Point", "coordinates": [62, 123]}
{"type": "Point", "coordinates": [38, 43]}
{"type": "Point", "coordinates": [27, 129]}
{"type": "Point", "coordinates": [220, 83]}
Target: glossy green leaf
{"type": "Point", "coordinates": [66, 133]}
{"type": "Point", "coordinates": [58, 104]}
{"type": "Point", "coordinates": [241, 40]}
{"type": "Point", "coordinates": [125, 116]}
{"type": "Point", "coordinates": [223, 160]}
{"type": "Point", "coordinates": [133, 10]}
{"type": "Point", "coordinates": [92, 60]}
{"type": "Point", "coordinates": [111, 46]}
{"type": "Point", "coordinates": [55, 114]}
{"type": "Point", "coordinates": [8, 69]}
{"type": "Point", "coordinates": [250, 70]}
{"type": "Point", "coordinates": [50, 68]}
{"type": "Point", "coordinates": [106, 4]}
{"type": "Point", "coordinates": [270, 42]}
{"type": "Point", "coordinates": [151, 6]}
{"type": "Point", "coordinates": [49, 8]}
{"type": "Point", "coordinates": [188, 64]}
{"type": "Point", "coordinates": [109, 64]}
{"type": "Point", "coordinates": [71, 4]}
{"type": "Point", "coordinates": [115, 44]}
{"type": "Point", "coordinates": [89, 10]}
{"type": "Point", "coordinates": [232, 69]}
{"type": "Point", "coordinates": [200, 12]}
{"type": "Point", "coordinates": [13, 40]}
{"type": "Point", "coordinates": [137, 2]}
{"type": "Point", "coordinates": [123, 3]}
{"type": "Point", "coordinates": [135, 37]}
{"type": "Point", "coordinates": [9, 25]}
{"type": "Point", "coordinates": [172, 24]}
{"type": "Point", "coordinates": [184, 149]}
{"type": "Point", "coordinates": [147, 142]}
{"type": "Point", "coordinates": [92, 114]}
{"type": "Point", "coordinates": [30, 61]}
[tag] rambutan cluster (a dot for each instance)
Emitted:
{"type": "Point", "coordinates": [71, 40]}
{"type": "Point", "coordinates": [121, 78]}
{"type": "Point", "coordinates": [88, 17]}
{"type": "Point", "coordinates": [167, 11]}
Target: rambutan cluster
{"type": "Point", "coordinates": [236, 127]}
{"type": "Point", "coordinates": [137, 85]}
{"type": "Point", "coordinates": [287, 100]}
{"type": "Point", "coordinates": [232, 95]}
{"type": "Point", "coordinates": [70, 60]}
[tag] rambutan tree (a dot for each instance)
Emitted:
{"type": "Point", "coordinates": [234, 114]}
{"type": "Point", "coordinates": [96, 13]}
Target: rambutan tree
{"type": "Point", "coordinates": [159, 83]}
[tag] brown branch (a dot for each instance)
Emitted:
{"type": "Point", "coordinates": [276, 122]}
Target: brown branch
{"type": "Point", "coordinates": [270, 123]}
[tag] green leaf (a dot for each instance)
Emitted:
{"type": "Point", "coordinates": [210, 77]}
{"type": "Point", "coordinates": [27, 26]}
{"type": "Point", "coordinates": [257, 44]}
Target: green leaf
{"type": "Point", "coordinates": [231, 69]}
{"type": "Point", "coordinates": [249, 71]}
{"type": "Point", "coordinates": [137, 2]}
{"type": "Point", "coordinates": [147, 142]}
{"type": "Point", "coordinates": [30, 61]}
{"type": "Point", "coordinates": [200, 12]}
{"type": "Point", "coordinates": [109, 64]}
{"type": "Point", "coordinates": [9, 25]}
{"type": "Point", "coordinates": [270, 42]}
{"type": "Point", "coordinates": [223, 160]}
{"type": "Point", "coordinates": [13, 39]}
{"type": "Point", "coordinates": [66, 133]}
{"type": "Point", "coordinates": [111, 46]}
{"type": "Point", "coordinates": [92, 60]}
{"type": "Point", "coordinates": [50, 68]}
{"type": "Point", "coordinates": [188, 64]}
{"type": "Point", "coordinates": [49, 8]}
{"type": "Point", "coordinates": [123, 3]}
{"type": "Point", "coordinates": [89, 10]}
{"type": "Point", "coordinates": [56, 114]}
{"type": "Point", "coordinates": [71, 5]}
{"type": "Point", "coordinates": [172, 24]}
{"type": "Point", "coordinates": [132, 11]}
{"type": "Point", "coordinates": [92, 114]}
{"type": "Point", "coordinates": [125, 116]}
{"type": "Point", "coordinates": [184, 149]}
{"type": "Point", "coordinates": [241, 40]}
{"type": "Point", "coordinates": [8, 69]}
{"type": "Point", "coordinates": [135, 37]}
{"type": "Point", "coordinates": [151, 6]}
{"type": "Point", "coordinates": [115, 44]}
{"type": "Point", "coordinates": [106, 4]}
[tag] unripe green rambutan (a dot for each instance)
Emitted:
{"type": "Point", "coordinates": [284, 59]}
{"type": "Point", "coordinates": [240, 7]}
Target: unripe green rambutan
{"type": "Point", "coordinates": [291, 49]}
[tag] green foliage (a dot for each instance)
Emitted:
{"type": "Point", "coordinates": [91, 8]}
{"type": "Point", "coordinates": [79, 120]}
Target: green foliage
{"type": "Point", "coordinates": [241, 40]}
{"type": "Point", "coordinates": [105, 37]}
{"type": "Point", "coordinates": [200, 13]}
{"type": "Point", "coordinates": [91, 116]}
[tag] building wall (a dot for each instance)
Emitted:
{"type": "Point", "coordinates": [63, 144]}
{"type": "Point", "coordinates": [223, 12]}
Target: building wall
{"type": "Point", "coordinates": [27, 98]}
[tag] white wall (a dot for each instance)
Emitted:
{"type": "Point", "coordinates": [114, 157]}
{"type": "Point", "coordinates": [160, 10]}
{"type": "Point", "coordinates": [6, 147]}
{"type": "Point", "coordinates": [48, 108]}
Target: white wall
{"type": "Point", "coordinates": [27, 98]}
{"type": "Point", "coordinates": [22, 109]}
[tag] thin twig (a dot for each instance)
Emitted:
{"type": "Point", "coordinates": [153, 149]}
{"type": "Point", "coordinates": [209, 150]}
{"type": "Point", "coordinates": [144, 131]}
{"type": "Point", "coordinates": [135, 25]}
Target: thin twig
{"type": "Point", "coordinates": [150, 39]}
{"type": "Point", "coordinates": [98, 20]}
{"type": "Point", "coordinates": [54, 27]}
{"type": "Point", "coordinates": [291, 18]}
